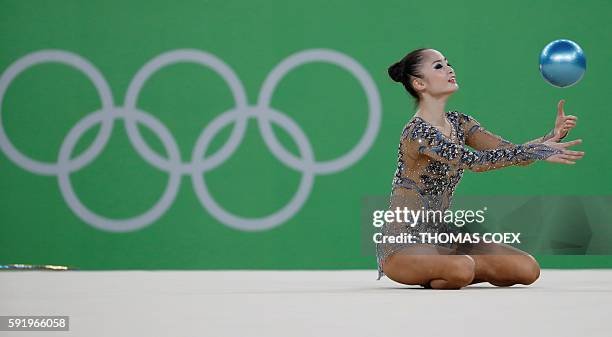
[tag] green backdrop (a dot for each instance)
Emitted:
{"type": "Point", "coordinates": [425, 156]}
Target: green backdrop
{"type": "Point", "coordinates": [494, 48]}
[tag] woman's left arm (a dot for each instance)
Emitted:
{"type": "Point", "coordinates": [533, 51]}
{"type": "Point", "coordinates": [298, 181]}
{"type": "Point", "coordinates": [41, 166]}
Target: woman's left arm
{"type": "Point", "coordinates": [480, 138]}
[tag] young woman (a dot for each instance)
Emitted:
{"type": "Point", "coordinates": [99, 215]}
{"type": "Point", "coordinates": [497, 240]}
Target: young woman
{"type": "Point", "coordinates": [431, 159]}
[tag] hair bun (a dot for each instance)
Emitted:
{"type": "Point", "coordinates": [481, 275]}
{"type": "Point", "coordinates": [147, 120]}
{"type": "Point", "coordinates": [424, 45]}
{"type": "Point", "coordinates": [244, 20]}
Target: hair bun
{"type": "Point", "coordinates": [396, 72]}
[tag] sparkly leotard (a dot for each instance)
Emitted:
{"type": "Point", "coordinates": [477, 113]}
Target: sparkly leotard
{"type": "Point", "coordinates": [430, 165]}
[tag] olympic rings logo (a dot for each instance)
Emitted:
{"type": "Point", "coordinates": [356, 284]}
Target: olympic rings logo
{"type": "Point", "coordinates": [239, 115]}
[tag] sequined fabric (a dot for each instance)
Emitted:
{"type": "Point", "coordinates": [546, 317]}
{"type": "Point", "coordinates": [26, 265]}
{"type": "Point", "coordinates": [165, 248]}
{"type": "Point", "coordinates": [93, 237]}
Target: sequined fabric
{"type": "Point", "coordinates": [430, 165]}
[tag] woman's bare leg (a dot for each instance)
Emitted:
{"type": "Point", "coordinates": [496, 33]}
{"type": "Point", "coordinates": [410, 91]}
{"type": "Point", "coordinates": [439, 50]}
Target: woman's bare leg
{"type": "Point", "coordinates": [502, 265]}
{"type": "Point", "coordinates": [428, 265]}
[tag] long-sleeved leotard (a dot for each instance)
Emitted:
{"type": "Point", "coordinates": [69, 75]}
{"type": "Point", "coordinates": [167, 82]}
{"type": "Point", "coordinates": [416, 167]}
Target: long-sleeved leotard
{"type": "Point", "coordinates": [430, 165]}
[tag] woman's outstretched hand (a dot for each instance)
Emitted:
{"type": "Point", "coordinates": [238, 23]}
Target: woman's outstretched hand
{"type": "Point", "coordinates": [563, 123]}
{"type": "Point", "coordinates": [567, 156]}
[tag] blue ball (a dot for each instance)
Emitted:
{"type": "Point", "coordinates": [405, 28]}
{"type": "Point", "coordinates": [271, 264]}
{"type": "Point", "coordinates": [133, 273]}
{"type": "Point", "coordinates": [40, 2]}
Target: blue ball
{"type": "Point", "coordinates": [562, 63]}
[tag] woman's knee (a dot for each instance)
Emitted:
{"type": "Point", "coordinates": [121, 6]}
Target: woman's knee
{"type": "Point", "coordinates": [523, 269]}
{"type": "Point", "coordinates": [529, 270]}
{"type": "Point", "coordinates": [461, 270]}
{"type": "Point", "coordinates": [458, 273]}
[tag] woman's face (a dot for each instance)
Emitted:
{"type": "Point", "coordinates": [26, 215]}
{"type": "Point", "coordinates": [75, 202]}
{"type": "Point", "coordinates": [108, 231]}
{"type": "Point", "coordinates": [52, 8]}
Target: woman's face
{"type": "Point", "coordinates": [438, 75]}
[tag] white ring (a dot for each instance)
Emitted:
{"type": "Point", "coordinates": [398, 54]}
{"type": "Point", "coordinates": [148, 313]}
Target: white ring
{"type": "Point", "coordinates": [96, 78]}
{"type": "Point", "coordinates": [343, 61]}
{"type": "Point", "coordinates": [281, 215]}
{"type": "Point", "coordinates": [169, 58]}
{"type": "Point", "coordinates": [98, 221]}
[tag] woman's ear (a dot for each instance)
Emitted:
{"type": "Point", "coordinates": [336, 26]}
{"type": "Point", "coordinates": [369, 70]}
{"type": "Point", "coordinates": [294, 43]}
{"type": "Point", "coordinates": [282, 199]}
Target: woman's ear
{"type": "Point", "coordinates": [418, 84]}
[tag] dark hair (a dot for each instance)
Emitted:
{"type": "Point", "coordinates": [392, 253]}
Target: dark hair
{"type": "Point", "coordinates": [406, 69]}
